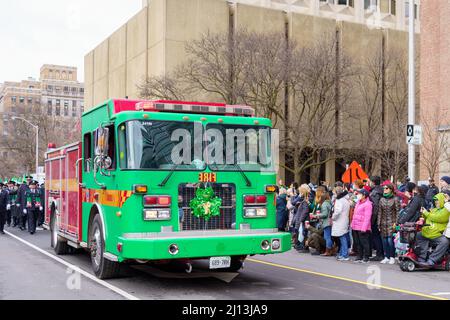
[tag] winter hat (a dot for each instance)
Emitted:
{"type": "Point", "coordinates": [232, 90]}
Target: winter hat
{"type": "Point", "coordinates": [339, 184]}
{"type": "Point", "coordinates": [386, 182]}
{"type": "Point", "coordinates": [410, 186]}
{"type": "Point", "coordinates": [446, 179]}
{"type": "Point", "coordinates": [376, 180]}
{"type": "Point", "coordinates": [364, 192]}
{"type": "Point", "coordinates": [367, 188]}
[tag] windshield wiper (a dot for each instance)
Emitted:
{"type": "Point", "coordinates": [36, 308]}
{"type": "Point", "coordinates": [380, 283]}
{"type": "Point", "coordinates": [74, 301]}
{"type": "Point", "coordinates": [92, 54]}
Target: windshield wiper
{"type": "Point", "coordinates": [172, 171]}
{"type": "Point", "coordinates": [238, 167]}
{"type": "Point", "coordinates": [247, 181]}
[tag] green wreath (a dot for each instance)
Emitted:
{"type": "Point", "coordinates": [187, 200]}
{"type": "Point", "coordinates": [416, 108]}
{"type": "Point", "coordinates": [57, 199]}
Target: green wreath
{"type": "Point", "coordinates": [205, 204]}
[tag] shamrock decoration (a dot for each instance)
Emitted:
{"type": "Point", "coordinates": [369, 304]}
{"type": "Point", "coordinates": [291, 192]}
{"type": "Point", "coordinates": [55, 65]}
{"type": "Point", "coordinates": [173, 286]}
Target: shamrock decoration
{"type": "Point", "coordinates": [205, 204]}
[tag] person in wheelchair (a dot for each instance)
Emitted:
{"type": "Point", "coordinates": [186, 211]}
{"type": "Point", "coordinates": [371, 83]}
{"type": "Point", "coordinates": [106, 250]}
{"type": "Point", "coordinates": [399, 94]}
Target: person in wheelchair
{"type": "Point", "coordinates": [436, 221]}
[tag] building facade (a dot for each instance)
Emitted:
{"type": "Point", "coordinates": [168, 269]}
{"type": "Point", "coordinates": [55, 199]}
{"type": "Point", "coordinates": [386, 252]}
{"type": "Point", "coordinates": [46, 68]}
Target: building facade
{"type": "Point", "coordinates": [434, 83]}
{"type": "Point", "coordinates": [153, 41]}
{"type": "Point", "coordinates": [57, 98]}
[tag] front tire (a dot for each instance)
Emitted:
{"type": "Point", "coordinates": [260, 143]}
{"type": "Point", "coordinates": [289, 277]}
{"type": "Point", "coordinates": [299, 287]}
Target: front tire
{"type": "Point", "coordinates": [103, 268]}
{"type": "Point", "coordinates": [60, 246]}
{"type": "Point", "coordinates": [410, 266]}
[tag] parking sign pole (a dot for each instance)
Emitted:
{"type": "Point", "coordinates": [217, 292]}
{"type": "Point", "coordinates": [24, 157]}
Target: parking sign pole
{"type": "Point", "coordinates": [412, 91]}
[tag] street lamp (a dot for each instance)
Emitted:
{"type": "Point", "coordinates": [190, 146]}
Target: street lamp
{"type": "Point", "coordinates": [37, 139]}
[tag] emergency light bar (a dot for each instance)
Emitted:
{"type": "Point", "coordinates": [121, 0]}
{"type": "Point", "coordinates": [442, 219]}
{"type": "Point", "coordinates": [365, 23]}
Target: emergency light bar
{"type": "Point", "coordinates": [195, 107]}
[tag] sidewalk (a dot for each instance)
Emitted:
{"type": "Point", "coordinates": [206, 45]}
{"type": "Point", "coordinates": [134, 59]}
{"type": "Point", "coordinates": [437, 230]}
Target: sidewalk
{"type": "Point", "coordinates": [436, 283]}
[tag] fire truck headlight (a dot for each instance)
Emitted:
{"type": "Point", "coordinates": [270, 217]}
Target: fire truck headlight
{"type": "Point", "coordinates": [157, 214]}
{"type": "Point", "coordinates": [261, 212]}
{"type": "Point", "coordinates": [255, 212]}
{"type": "Point", "coordinates": [250, 213]}
{"type": "Point", "coordinates": [276, 244]}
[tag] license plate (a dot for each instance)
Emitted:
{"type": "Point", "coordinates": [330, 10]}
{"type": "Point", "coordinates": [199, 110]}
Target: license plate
{"type": "Point", "coordinates": [219, 262]}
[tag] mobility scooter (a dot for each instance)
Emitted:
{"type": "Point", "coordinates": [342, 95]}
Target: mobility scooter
{"type": "Point", "coordinates": [409, 261]}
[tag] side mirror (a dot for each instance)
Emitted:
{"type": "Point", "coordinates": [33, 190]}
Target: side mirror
{"type": "Point", "coordinates": [101, 141]}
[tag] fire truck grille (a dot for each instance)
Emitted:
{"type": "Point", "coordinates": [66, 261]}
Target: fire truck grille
{"type": "Point", "coordinates": [227, 217]}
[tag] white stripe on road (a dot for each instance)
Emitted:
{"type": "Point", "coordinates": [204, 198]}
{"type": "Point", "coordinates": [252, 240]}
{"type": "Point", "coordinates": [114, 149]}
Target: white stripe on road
{"type": "Point", "coordinates": [441, 294]}
{"type": "Point", "coordinates": [77, 269]}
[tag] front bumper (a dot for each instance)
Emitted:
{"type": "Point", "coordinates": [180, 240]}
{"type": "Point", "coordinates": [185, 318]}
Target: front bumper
{"type": "Point", "coordinates": [204, 244]}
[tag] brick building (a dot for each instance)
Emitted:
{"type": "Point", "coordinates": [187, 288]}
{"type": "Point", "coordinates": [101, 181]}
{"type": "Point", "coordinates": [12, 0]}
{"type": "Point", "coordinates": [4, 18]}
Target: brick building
{"type": "Point", "coordinates": [435, 77]}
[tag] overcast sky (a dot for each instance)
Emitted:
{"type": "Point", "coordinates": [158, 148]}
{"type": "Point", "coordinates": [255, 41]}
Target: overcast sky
{"type": "Point", "coordinates": [36, 32]}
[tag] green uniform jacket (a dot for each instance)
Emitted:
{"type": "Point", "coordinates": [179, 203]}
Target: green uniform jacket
{"type": "Point", "coordinates": [437, 219]}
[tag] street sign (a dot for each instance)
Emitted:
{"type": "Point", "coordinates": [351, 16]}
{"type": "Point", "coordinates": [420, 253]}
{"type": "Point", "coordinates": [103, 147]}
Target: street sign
{"type": "Point", "coordinates": [353, 173]}
{"type": "Point", "coordinates": [413, 134]}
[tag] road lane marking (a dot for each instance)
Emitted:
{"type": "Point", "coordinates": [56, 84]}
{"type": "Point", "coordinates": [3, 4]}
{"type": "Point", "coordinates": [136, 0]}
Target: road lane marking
{"type": "Point", "coordinates": [441, 294]}
{"type": "Point", "coordinates": [348, 280]}
{"type": "Point", "coordinates": [77, 269]}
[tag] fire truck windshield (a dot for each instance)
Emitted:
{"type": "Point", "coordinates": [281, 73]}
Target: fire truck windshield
{"type": "Point", "coordinates": [178, 146]}
{"type": "Point", "coordinates": [161, 145]}
{"type": "Point", "coordinates": [231, 147]}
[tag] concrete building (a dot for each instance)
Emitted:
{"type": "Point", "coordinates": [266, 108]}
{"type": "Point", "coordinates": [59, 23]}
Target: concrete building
{"type": "Point", "coordinates": [152, 42]}
{"type": "Point", "coordinates": [435, 78]}
{"type": "Point", "coordinates": [62, 94]}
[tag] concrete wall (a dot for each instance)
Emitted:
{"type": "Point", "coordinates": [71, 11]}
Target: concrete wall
{"type": "Point", "coordinates": [151, 43]}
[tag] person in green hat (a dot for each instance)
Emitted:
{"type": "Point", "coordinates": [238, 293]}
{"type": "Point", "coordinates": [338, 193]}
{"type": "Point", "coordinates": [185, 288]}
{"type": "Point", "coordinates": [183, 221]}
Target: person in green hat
{"type": "Point", "coordinates": [32, 206]}
{"type": "Point", "coordinates": [21, 201]}
{"type": "Point", "coordinates": [3, 204]}
{"type": "Point", "coordinates": [436, 221]}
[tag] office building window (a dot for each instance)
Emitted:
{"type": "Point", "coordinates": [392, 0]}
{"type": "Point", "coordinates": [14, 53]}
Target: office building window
{"type": "Point", "coordinates": [14, 99]}
{"type": "Point", "coordinates": [371, 4]}
{"type": "Point", "coordinates": [348, 3]}
{"type": "Point", "coordinates": [49, 107]}
{"type": "Point", "coordinates": [81, 90]}
{"type": "Point", "coordinates": [30, 101]}
{"type": "Point", "coordinates": [21, 99]}
{"type": "Point", "coordinates": [58, 110]}
{"type": "Point", "coordinates": [66, 108]}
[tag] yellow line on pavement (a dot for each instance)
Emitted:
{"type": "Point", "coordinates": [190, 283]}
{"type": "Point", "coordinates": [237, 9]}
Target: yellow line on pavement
{"type": "Point", "coordinates": [348, 280]}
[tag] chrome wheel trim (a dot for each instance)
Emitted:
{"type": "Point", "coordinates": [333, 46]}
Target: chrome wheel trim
{"type": "Point", "coordinates": [96, 246]}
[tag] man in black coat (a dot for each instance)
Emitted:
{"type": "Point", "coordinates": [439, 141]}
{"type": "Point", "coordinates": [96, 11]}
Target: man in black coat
{"type": "Point", "coordinates": [21, 200]}
{"type": "Point", "coordinates": [12, 190]}
{"type": "Point", "coordinates": [3, 203]}
{"type": "Point", "coordinates": [32, 205]}
{"type": "Point", "coordinates": [432, 191]}
{"type": "Point", "coordinates": [412, 210]}
{"type": "Point", "coordinates": [375, 195]}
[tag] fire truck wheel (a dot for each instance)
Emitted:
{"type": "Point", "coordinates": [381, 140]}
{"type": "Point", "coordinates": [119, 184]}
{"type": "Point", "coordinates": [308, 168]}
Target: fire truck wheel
{"type": "Point", "coordinates": [60, 247]}
{"type": "Point", "coordinates": [103, 268]}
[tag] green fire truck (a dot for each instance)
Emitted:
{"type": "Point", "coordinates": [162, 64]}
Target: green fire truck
{"type": "Point", "coordinates": [157, 181]}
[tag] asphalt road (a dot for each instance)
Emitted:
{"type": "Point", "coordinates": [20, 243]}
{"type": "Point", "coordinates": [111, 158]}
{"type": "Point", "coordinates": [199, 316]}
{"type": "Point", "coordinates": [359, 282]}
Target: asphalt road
{"type": "Point", "coordinates": [29, 273]}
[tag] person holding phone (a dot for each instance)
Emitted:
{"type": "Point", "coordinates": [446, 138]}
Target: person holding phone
{"type": "Point", "coordinates": [436, 222]}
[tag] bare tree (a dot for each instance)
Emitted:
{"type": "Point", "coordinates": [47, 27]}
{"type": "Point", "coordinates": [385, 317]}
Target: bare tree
{"type": "Point", "coordinates": [393, 154]}
{"type": "Point", "coordinates": [162, 87]}
{"type": "Point", "coordinates": [435, 151]}
{"type": "Point", "coordinates": [245, 67]}
{"type": "Point", "coordinates": [21, 141]}
{"type": "Point", "coordinates": [312, 134]}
